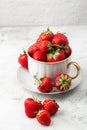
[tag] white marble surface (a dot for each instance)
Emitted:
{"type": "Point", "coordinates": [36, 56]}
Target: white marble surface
{"type": "Point", "coordinates": [42, 12]}
{"type": "Point", "coordinates": [73, 105]}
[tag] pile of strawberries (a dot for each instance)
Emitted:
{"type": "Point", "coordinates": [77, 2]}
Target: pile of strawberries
{"type": "Point", "coordinates": [50, 47]}
{"type": "Point", "coordinates": [41, 110]}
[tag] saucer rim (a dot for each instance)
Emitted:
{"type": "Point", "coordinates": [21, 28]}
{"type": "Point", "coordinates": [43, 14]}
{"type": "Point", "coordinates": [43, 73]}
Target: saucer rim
{"type": "Point", "coordinates": [52, 92]}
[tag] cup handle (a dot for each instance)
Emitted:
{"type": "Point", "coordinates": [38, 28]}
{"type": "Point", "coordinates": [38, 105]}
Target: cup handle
{"type": "Point", "coordinates": [77, 68]}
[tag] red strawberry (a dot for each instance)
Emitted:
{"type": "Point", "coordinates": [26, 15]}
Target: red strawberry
{"type": "Point", "coordinates": [46, 35]}
{"type": "Point", "coordinates": [51, 106]}
{"type": "Point", "coordinates": [44, 46]}
{"type": "Point", "coordinates": [23, 60]}
{"type": "Point", "coordinates": [62, 82]}
{"type": "Point", "coordinates": [55, 56]}
{"type": "Point", "coordinates": [39, 55]}
{"type": "Point", "coordinates": [32, 107]}
{"type": "Point", "coordinates": [44, 118]}
{"type": "Point", "coordinates": [60, 39]}
{"type": "Point", "coordinates": [67, 51]}
{"type": "Point", "coordinates": [44, 84]}
{"type": "Point", "coordinates": [32, 49]}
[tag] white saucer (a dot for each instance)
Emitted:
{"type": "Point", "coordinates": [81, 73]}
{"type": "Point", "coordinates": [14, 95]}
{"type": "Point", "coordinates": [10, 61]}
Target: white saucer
{"type": "Point", "coordinates": [27, 81]}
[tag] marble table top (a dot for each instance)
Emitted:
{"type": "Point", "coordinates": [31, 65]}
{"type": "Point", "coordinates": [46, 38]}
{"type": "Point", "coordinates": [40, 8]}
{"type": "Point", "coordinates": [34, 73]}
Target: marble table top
{"type": "Point", "coordinates": [72, 114]}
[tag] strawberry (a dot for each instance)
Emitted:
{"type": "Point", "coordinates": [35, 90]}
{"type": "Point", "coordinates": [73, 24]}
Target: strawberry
{"type": "Point", "coordinates": [43, 117]}
{"type": "Point", "coordinates": [51, 106]}
{"type": "Point", "coordinates": [55, 56]}
{"type": "Point", "coordinates": [23, 60]}
{"type": "Point", "coordinates": [62, 82]}
{"type": "Point", "coordinates": [44, 84]}
{"type": "Point", "coordinates": [67, 51]}
{"type": "Point", "coordinates": [32, 107]}
{"type": "Point", "coordinates": [46, 35]}
{"type": "Point", "coordinates": [33, 48]}
{"type": "Point", "coordinates": [44, 46]}
{"type": "Point", "coordinates": [39, 55]}
{"type": "Point", "coordinates": [60, 39]}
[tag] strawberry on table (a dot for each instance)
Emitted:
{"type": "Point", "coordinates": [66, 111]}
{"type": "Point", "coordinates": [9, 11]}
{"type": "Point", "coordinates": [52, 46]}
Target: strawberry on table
{"type": "Point", "coordinates": [23, 60]}
{"type": "Point", "coordinates": [51, 106]}
{"type": "Point", "coordinates": [55, 56]}
{"type": "Point", "coordinates": [46, 35]}
{"type": "Point", "coordinates": [32, 107]}
{"type": "Point", "coordinates": [60, 39]}
{"type": "Point", "coordinates": [43, 117]}
{"type": "Point", "coordinates": [39, 55]}
{"type": "Point", "coordinates": [62, 82]}
{"type": "Point", "coordinates": [44, 84]}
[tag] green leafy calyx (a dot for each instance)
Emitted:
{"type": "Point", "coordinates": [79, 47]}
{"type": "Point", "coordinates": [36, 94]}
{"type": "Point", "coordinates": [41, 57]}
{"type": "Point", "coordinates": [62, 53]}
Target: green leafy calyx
{"type": "Point", "coordinates": [37, 81]}
{"type": "Point", "coordinates": [64, 82]}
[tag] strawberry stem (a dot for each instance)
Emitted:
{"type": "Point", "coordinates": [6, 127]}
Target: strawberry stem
{"type": "Point", "coordinates": [49, 47]}
{"type": "Point", "coordinates": [48, 31]}
{"type": "Point", "coordinates": [24, 52]}
{"type": "Point", "coordinates": [37, 81]}
{"type": "Point", "coordinates": [36, 99]}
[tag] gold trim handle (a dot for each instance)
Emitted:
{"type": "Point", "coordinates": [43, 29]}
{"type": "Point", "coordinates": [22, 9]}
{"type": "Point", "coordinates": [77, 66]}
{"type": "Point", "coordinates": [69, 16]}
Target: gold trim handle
{"type": "Point", "coordinates": [77, 68]}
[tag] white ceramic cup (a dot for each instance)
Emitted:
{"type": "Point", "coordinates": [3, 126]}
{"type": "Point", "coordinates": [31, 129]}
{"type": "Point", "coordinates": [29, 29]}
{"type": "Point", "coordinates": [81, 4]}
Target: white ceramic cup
{"type": "Point", "coordinates": [51, 69]}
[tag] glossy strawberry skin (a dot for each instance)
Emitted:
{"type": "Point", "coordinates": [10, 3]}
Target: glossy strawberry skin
{"type": "Point", "coordinates": [62, 82]}
{"type": "Point", "coordinates": [51, 106]}
{"type": "Point", "coordinates": [44, 46]}
{"type": "Point", "coordinates": [39, 55]}
{"type": "Point", "coordinates": [46, 85]}
{"type": "Point", "coordinates": [46, 35]}
{"type": "Point", "coordinates": [44, 118]}
{"type": "Point", "coordinates": [60, 39]}
{"type": "Point", "coordinates": [68, 51]}
{"type": "Point", "coordinates": [23, 60]}
{"type": "Point", "coordinates": [32, 107]}
{"type": "Point", "coordinates": [32, 49]}
{"type": "Point", "coordinates": [57, 56]}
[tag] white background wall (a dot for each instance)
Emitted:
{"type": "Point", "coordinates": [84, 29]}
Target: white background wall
{"type": "Point", "coordinates": [42, 12]}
